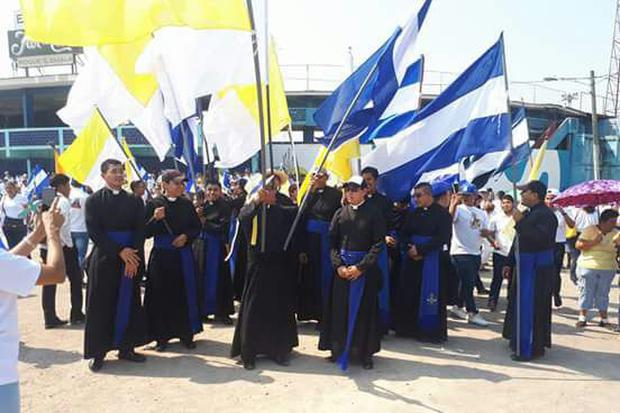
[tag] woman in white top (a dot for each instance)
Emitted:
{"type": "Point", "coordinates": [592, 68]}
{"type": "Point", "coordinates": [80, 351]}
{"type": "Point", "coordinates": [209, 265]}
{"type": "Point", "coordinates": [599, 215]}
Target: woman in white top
{"type": "Point", "coordinates": [12, 207]}
{"type": "Point", "coordinates": [18, 276]}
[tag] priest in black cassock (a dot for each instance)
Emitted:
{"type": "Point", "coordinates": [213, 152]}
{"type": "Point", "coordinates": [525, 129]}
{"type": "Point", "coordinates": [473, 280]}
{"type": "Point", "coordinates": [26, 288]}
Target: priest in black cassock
{"type": "Point", "coordinates": [115, 318]}
{"type": "Point", "coordinates": [171, 298]}
{"type": "Point", "coordinates": [528, 318]}
{"type": "Point", "coordinates": [216, 288]}
{"type": "Point", "coordinates": [384, 207]}
{"type": "Point", "coordinates": [266, 324]}
{"type": "Point", "coordinates": [351, 327]}
{"type": "Point", "coordinates": [421, 307]}
{"type": "Point", "coordinates": [316, 274]}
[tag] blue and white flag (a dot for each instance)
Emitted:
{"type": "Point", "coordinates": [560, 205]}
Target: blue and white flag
{"type": "Point", "coordinates": [393, 89]}
{"type": "Point", "coordinates": [479, 169]}
{"type": "Point", "coordinates": [39, 179]}
{"type": "Point", "coordinates": [184, 139]}
{"type": "Point", "coordinates": [469, 118]}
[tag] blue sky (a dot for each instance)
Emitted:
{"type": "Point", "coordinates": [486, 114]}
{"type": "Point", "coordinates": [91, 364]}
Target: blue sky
{"type": "Point", "coordinates": [543, 37]}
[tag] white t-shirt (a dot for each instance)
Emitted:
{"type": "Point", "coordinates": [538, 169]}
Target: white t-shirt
{"type": "Point", "coordinates": [65, 231]}
{"type": "Point", "coordinates": [12, 207]}
{"type": "Point", "coordinates": [77, 197]}
{"type": "Point", "coordinates": [503, 226]}
{"type": "Point", "coordinates": [466, 226]}
{"type": "Point", "coordinates": [584, 220]}
{"type": "Point", "coordinates": [18, 275]}
{"type": "Point", "coordinates": [560, 235]}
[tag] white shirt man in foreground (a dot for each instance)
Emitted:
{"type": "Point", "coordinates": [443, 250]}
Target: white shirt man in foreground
{"type": "Point", "coordinates": [469, 227]}
{"type": "Point", "coordinates": [18, 275]}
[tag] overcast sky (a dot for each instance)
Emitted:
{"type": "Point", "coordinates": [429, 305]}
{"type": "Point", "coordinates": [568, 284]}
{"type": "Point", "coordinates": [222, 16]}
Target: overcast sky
{"type": "Point", "coordinates": [543, 38]}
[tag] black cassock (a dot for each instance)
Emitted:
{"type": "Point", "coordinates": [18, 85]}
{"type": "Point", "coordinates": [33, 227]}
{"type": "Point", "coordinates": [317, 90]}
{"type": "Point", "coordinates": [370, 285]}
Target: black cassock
{"type": "Point", "coordinates": [108, 217]}
{"type": "Point", "coordinates": [316, 274]}
{"type": "Point", "coordinates": [216, 301]}
{"type": "Point", "coordinates": [360, 230]}
{"type": "Point", "coordinates": [434, 224]}
{"type": "Point", "coordinates": [170, 298]}
{"type": "Point", "coordinates": [240, 257]}
{"type": "Point", "coordinates": [536, 238]}
{"type": "Point", "coordinates": [266, 323]}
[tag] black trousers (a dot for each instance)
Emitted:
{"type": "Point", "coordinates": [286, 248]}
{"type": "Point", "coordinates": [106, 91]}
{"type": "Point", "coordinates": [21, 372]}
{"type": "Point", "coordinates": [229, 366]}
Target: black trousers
{"type": "Point", "coordinates": [48, 296]}
{"type": "Point", "coordinates": [14, 234]}
{"type": "Point", "coordinates": [558, 259]}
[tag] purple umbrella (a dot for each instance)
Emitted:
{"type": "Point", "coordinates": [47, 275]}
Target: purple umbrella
{"type": "Point", "coordinates": [590, 193]}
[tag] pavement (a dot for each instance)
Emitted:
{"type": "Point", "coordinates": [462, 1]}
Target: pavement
{"type": "Point", "coordinates": [472, 372]}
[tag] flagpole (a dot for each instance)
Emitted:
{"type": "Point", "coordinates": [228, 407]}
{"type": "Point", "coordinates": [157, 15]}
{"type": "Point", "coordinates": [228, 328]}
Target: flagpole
{"type": "Point", "coordinates": [261, 118]}
{"type": "Point", "coordinates": [295, 163]}
{"type": "Point", "coordinates": [206, 160]}
{"type": "Point", "coordinates": [517, 249]}
{"type": "Point", "coordinates": [267, 86]}
{"type": "Point", "coordinates": [131, 162]}
{"type": "Point", "coordinates": [332, 142]}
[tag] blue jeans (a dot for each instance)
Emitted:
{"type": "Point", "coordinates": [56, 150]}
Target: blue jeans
{"type": "Point", "coordinates": [9, 398]}
{"type": "Point", "coordinates": [574, 255]}
{"type": "Point", "coordinates": [594, 286]}
{"type": "Point", "coordinates": [467, 267]}
{"type": "Point", "coordinates": [80, 242]}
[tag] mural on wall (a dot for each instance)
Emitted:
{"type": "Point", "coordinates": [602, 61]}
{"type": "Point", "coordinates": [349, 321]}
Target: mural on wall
{"type": "Point", "coordinates": [551, 173]}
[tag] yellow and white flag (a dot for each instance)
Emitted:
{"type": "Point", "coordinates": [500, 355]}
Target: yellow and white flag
{"type": "Point", "coordinates": [232, 122]}
{"type": "Point", "coordinates": [338, 163]}
{"type": "Point", "coordinates": [110, 83]}
{"type": "Point", "coordinates": [97, 22]}
{"type": "Point", "coordinates": [83, 158]}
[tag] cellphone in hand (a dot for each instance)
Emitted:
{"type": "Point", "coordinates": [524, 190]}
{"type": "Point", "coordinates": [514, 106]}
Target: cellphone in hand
{"type": "Point", "coordinates": [47, 197]}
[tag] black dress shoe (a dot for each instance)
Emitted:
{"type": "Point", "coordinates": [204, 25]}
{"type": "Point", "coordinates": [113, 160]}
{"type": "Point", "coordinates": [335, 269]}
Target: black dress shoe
{"type": "Point", "coordinates": [249, 364]}
{"type": "Point", "coordinates": [557, 300]}
{"type": "Point", "coordinates": [132, 356]}
{"type": "Point", "coordinates": [55, 323]}
{"type": "Point", "coordinates": [95, 364]}
{"type": "Point", "coordinates": [161, 346]}
{"type": "Point", "coordinates": [368, 364]}
{"type": "Point", "coordinates": [188, 343]}
{"type": "Point", "coordinates": [484, 292]}
{"type": "Point", "coordinates": [282, 360]}
{"type": "Point", "coordinates": [77, 319]}
{"type": "Point", "coordinates": [226, 320]}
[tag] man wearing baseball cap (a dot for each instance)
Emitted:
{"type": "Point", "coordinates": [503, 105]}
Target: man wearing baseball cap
{"type": "Point", "coordinates": [356, 235]}
{"type": "Point", "coordinates": [564, 220]}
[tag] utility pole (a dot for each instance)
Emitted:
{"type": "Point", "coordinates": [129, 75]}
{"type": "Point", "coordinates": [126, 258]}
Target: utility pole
{"type": "Point", "coordinates": [595, 138]}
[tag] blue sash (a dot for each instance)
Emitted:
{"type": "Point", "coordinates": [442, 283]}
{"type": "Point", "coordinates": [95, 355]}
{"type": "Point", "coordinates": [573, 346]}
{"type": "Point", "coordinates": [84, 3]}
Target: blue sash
{"type": "Point", "coordinates": [428, 314]}
{"type": "Point", "coordinates": [125, 291]}
{"type": "Point", "coordinates": [384, 293]}
{"type": "Point", "coordinates": [529, 263]}
{"type": "Point", "coordinates": [316, 226]}
{"type": "Point", "coordinates": [164, 242]}
{"type": "Point", "coordinates": [232, 260]}
{"type": "Point", "coordinates": [356, 291]}
{"type": "Point", "coordinates": [211, 271]}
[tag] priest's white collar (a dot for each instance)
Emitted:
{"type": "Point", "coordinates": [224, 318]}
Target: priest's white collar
{"type": "Point", "coordinates": [114, 191]}
{"type": "Point", "coordinates": [355, 207]}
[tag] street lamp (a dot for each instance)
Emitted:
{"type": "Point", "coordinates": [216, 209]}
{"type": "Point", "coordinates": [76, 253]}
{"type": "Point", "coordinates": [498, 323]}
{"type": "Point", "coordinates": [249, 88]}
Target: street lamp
{"type": "Point", "coordinates": [595, 137]}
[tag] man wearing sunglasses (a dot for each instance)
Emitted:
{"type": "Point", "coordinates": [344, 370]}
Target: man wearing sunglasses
{"type": "Point", "coordinates": [528, 318]}
{"type": "Point", "coordinates": [170, 298]}
{"type": "Point", "coordinates": [421, 302]}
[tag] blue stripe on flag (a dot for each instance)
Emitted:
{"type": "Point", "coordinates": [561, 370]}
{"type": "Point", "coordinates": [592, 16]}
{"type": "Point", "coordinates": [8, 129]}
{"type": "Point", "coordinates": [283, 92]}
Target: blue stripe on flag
{"type": "Point", "coordinates": [480, 136]}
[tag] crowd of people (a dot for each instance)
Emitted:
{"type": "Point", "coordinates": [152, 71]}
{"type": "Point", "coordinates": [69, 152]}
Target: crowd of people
{"type": "Point", "coordinates": [357, 263]}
